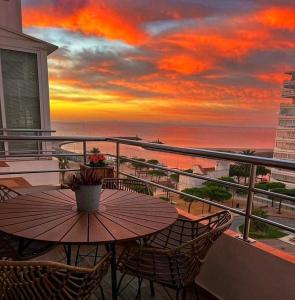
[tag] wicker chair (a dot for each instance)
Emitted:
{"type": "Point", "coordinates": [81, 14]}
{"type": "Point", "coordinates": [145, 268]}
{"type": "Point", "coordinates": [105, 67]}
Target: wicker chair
{"type": "Point", "coordinates": [49, 280]}
{"type": "Point", "coordinates": [173, 257]}
{"type": "Point", "coordinates": [6, 193]}
{"type": "Point", "coordinates": [126, 184]}
{"type": "Point", "coordinates": [13, 248]}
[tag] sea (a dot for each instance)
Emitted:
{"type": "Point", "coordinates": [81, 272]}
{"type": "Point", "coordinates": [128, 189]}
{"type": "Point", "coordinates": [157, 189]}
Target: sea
{"type": "Point", "coordinates": [232, 138]}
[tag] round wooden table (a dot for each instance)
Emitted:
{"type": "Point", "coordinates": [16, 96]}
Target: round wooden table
{"type": "Point", "coordinates": [52, 216]}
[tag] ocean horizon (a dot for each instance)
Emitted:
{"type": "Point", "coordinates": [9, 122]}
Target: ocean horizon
{"type": "Point", "coordinates": [197, 136]}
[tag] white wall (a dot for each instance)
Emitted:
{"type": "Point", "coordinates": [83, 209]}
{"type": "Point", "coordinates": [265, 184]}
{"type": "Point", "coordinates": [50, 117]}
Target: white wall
{"type": "Point", "coordinates": [235, 270]}
{"type": "Point", "coordinates": [10, 14]}
{"type": "Point", "coordinates": [188, 182]}
{"type": "Point", "coordinates": [221, 170]}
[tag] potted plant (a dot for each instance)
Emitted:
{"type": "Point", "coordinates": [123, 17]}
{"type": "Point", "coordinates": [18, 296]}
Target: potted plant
{"type": "Point", "coordinates": [97, 163]}
{"type": "Point", "coordinates": [96, 159]}
{"type": "Point", "coordinates": [87, 187]}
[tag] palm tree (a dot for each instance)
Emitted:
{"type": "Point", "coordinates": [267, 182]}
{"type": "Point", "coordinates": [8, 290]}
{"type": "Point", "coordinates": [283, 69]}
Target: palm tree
{"type": "Point", "coordinates": [137, 165]}
{"type": "Point", "coordinates": [198, 192]}
{"type": "Point", "coordinates": [246, 167]}
{"type": "Point", "coordinates": [231, 189]}
{"type": "Point", "coordinates": [63, 164]}
{"type": "Point", "coordinates": [248, 152]}
{"type": "Point", "coordinates": [216, 193]}
{"type": "Point", "coordinates": [236, 171]}
{"type": "Point", "coordinates": [153, 161]}
{"type": "Point", "coordinates": [157, 173]}
{"type": "Point", "coordinates": [209, 191]}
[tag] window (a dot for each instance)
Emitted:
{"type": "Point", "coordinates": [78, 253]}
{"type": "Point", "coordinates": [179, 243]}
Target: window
{"type": "Point", "coordinates": [21, 94]}
{"type": "Point", "coordinates": [287, 111]}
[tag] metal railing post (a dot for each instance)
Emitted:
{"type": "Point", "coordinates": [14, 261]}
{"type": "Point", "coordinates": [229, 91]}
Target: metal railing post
{"type": "Point", "coordinates": [249, 202]}
{"type": "Point", "coordinates": [252, 161]}
{"type": "Point", "coordinates": [117, 160]}
{"type": "Point", "coordinates": [84, 152]}
{"type": "Point", "coordinates": [38, 144]}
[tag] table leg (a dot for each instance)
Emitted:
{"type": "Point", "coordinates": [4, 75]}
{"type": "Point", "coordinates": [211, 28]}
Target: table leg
{"type": "Point", "coordinates": [69, 254]}
{"type": "Point", "coordinates": [114, 271]}
{"type": "Point", "coordinates": [20, 247]}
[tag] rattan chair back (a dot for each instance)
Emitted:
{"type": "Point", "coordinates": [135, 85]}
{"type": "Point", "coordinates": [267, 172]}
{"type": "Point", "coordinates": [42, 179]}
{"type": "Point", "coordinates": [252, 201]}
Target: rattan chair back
{"type": "Point", "coordinates": [6, 193]}
{"type": "Point", "coordinates": [7, 251]}
{"type": "Point", "coordinates": [185, 230]}
{"type": "Point", "coordinates": [174, 256]}
{"type": "Point", "coordinates": [14, 248]}
{"type": "Point", "coordinates": [126, 184]}
{"type": "Point", "coordinates": [49, 280]}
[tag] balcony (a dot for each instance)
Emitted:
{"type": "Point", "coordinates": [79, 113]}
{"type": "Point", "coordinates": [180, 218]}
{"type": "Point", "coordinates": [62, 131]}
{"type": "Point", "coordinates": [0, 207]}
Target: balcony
{"type": "Point", "coordinates": [284, 150]}
{"type": "Point", "coordinates": [288, 93]}
{"type": "Point", "coordinates": [238, 267]}
{"type": "Point", "coordinates": [289, 84]}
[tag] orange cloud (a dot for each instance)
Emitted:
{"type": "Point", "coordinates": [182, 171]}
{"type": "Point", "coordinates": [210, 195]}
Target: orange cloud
{"type": "Point", "coordinates": [93, 18]}
{"type": "Point", "coordinates": [233, 44]}
{"type": "Point", "coordinates": [184, 64]}
{"type": "Point", "coordinates": [277, 17]}
{"type": "Point", "coordinates": [271, 77]}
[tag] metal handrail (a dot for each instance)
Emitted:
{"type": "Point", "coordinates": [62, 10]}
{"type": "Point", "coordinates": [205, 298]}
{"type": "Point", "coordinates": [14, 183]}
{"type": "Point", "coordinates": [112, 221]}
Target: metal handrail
{"type": "Point", "coordinates": [40, 155]}
{"type": "Point", "coordinates": [39, 171]}
{"type": "Point", "coordinates": [253, 161]}
{"type": "Point", "coordinates": [234, 210]}
{"type": "Point", "coordinates": [246, 159]}
{"type": "Point", "coordinates": [26, 130]}
{"type": "Point", "coordinates": [212, 154]}
{"type": "Point", "coordinates": [206, 178]}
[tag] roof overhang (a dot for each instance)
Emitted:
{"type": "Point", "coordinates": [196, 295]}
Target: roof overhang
{"type": "Point", "coordinates": [49, 47]}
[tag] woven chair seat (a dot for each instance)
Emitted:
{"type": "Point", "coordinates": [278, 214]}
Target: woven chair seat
{"type": "Point", "coordinates": [164, 269]}
{"type": "Point", "coordinates": [14, 248]}
{"type": "Point", "coordinates": [49, 280]}
{"type": "Point", "coordinates": [174, 256]}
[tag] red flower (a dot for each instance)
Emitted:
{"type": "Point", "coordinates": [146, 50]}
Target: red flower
{"type": "Point", "coordinates": [100, 157]}
{"type": "Point", "coordinates": [96, 158]}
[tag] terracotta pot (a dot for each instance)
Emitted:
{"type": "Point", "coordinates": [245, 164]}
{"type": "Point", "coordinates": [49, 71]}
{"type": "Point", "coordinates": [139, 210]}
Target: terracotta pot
{"type": "Point", "coordinates": [87, 197]}
{"type": "Point", "coordinates": [101, 172]}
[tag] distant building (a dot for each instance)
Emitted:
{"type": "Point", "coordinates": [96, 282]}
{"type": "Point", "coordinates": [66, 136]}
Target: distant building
{"type": "Point", "coordinates": [285, 137]}
{"type": "Point", "coordinates": [220, 169]}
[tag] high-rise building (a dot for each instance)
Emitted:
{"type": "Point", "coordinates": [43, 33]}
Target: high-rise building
{"type": "Point", "coordinates": [285, 137]}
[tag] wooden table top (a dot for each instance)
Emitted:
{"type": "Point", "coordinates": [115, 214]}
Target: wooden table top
{"type": "Point", "coordinates": [52, 216]}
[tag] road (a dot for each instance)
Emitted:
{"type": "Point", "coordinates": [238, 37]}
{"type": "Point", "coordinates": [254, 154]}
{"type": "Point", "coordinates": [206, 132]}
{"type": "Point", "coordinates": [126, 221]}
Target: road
{"type": "Point", "coordinates": [276, 243]}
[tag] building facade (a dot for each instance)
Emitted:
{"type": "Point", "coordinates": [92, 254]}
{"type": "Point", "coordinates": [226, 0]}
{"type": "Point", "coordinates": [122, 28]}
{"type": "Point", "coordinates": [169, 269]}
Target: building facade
{"type": "Point", "coordinates": [285, 136]}
{"type": "Point", "coordinates": [220, 169]}
{"type": "Point", "coordinates": [24, 96]}
{"type": "Point", "coordinates": [24, 93]}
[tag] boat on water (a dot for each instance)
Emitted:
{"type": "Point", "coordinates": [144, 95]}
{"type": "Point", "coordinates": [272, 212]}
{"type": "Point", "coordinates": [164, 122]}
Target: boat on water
{"type": "Point", "coordinates": [157, 142]}
{"type": "Point", "coordinates": [153, 142]}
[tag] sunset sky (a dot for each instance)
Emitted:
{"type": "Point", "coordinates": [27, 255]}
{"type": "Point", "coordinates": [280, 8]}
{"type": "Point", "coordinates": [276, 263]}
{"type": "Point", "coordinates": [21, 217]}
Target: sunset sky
{"type": "Point", "coordinates": [186, 61]}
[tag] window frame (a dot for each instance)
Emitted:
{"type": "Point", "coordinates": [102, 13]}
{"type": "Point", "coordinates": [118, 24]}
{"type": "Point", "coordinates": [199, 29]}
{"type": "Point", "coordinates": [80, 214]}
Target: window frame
{"type": "Point", "coordinates": [42, 96]}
